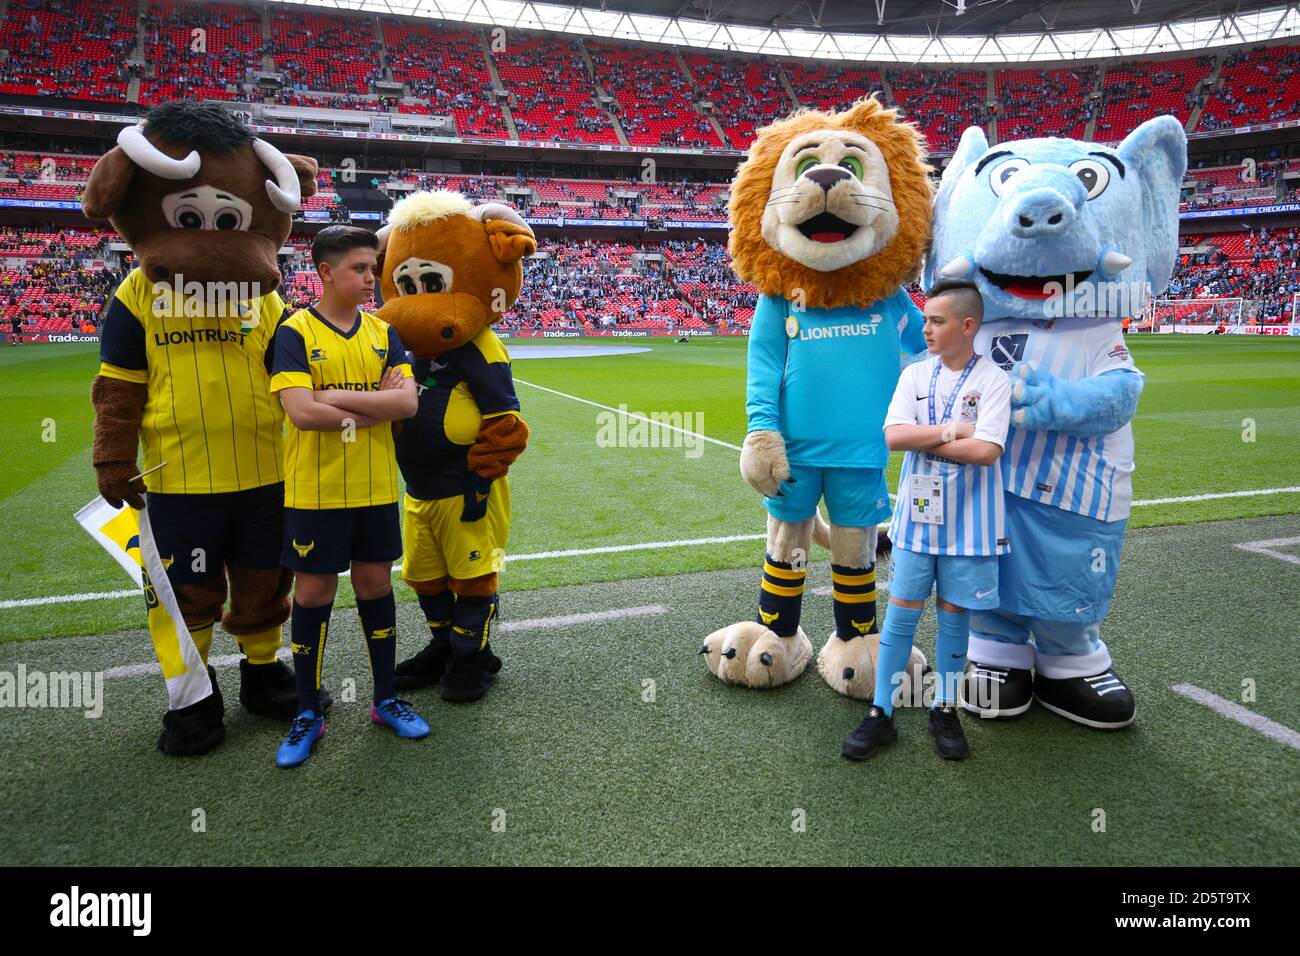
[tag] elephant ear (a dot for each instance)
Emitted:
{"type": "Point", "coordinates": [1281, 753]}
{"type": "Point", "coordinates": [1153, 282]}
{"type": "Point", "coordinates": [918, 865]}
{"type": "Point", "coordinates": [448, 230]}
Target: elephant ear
{"type": "Point", "coordinates": [973, 145]}
{"type": "Point", "coordinates": [1156, 152]}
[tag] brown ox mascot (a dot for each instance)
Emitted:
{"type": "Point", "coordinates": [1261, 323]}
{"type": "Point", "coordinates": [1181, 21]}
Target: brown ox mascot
{"type": "Point", "coordinates": [205, 206]}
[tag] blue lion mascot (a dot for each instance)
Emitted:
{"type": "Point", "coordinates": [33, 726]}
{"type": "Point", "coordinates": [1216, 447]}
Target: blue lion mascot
{"type": "Point", "coordinates": [1064, 240]}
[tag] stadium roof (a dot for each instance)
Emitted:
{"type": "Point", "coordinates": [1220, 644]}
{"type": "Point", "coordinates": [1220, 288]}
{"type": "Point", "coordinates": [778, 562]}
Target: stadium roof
{"type": "Point", "coordinates": [886, 31]}
{"type": "Point", "coordinates": [982, 17]}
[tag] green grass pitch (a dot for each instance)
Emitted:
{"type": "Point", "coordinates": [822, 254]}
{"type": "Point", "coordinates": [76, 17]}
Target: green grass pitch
{"type": "Point", "coordinates": [606, 740]}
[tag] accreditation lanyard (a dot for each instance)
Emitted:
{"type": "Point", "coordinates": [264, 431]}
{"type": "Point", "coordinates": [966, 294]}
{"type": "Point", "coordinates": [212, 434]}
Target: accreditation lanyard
{"type": "Point", "coordinates": [934, 382]}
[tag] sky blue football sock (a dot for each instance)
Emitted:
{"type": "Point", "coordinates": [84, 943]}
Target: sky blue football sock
{"type": "Point", "coordinates": [950, 654]}
{"type": "Point", "coordinates": [895, 650]}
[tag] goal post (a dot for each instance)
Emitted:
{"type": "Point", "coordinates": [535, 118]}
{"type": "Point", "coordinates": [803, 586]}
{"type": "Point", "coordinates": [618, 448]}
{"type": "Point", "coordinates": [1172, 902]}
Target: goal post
{"type": "Point", "coordinates": [1189, 315]}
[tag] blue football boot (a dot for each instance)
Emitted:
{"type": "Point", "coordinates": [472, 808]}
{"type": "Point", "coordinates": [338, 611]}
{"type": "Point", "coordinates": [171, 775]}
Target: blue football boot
{"type": "Point", "coordinates": [396, 713]}
{"type": "Point", "coordinates": [305, 730]}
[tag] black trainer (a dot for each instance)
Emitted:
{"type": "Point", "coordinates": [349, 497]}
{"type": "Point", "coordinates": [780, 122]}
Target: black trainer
{"type": "Point", "coordinates": [271, 690]}
{"type": "Point", "coordinates": [195, 729]}
{"type": "Point", "coordinates": [949, 738]}
{"type": "Point", "coordinates": [1102, 701]}
{"type": "Point", "coordinates": [466, 679]}
{"type": "Point", "coordinates": [877, 728]}
{"type": "Point", "coordinates": [998, 693]}
{"type": "Point", "coordinates": [427, 667]}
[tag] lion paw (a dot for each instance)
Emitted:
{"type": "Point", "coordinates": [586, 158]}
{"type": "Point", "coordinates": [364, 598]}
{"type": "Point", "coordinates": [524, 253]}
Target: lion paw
{"type": "Point", "coordinates": [850, 668]}
{"type": "Point", "coordinates": [752, 655]}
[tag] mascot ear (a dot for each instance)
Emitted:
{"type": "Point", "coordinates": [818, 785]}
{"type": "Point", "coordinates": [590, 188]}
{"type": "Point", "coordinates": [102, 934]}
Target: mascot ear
{"type": "Point", "coordinates": [108, 183]}
{"type": "Point", "coordinates": [1156, 152]}
{"type": "Point", "coordinates": [307, 170]}
{"type": "Point", "coordinates": [382, 234]}
{"type": "Point", "coordinates": [510, 241]}
{"type": "Point", "coordinates": [973, 145]}
{"type": "Point", "coordinates": [509, 236]}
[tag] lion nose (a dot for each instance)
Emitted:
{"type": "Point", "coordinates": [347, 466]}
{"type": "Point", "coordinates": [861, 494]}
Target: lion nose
{"type": "Point", "coordinates": [448, 332]}
{"type": "Point", "coordinates": [827, 177]}
{"type": "Point", "coordinates": [1041, 212]}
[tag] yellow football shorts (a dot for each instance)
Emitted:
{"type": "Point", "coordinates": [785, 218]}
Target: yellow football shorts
{"type": "Point", "coordinates": [438, 544]}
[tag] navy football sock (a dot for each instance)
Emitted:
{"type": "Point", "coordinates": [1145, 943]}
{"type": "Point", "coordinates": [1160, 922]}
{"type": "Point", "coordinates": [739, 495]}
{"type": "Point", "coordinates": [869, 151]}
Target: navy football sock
{"type": "Point", "coordinates": [437, 610]}
{"type": "Point", "coordinates": [854, 590]}
{"type": "Point", "coordinates": [379, 623]}
{"type": "Point", "coordinates": [472, 623]}
{"type": "Point", "coordinates": [780, 598]}
{"type": "Point", "coordinates": [309, 626]}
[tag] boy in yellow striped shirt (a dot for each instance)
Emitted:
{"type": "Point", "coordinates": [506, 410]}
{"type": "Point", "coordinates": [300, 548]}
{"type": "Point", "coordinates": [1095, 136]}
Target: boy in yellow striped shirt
{"type": "Point", "coordinates": [342, 376]}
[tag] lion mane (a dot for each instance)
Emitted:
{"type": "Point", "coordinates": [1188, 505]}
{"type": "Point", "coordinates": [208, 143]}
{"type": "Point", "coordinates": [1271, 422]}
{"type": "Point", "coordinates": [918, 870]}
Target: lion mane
{"type": "Point", "coordinates": [862, 282]}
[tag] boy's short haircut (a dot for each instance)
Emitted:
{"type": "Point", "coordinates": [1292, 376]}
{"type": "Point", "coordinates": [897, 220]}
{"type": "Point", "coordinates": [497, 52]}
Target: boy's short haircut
{"type": "Point", "coordinates": [965, 292]}
{"type": "Point", "coordinates": [334, 242]}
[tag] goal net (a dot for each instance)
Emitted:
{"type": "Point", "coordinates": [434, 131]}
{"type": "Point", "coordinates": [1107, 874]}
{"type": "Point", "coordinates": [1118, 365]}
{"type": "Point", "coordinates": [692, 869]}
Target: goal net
{"type": "Point", "coordinates": [1192, 315]}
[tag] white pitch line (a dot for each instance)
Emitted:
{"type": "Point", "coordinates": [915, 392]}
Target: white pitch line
{"type": "Point", "coordinates": [68, 598]}
{"type": "Point", "coordinates": [528, 624]}
{"type": "Point", "coordinates": [653, 545]}
{"type": "Point", "coordinates": [1266, 548]}
{"type": "Point", "coordinates": [640, 418]}
{"type": "Point", "coordinates": [619, 548]}
{"type": "Point", "coordinates": [152, 667]}
{"type": "Point", "coordinates": [1219, 494]}
{"type": "Point", "coordinates": [1235, 712]}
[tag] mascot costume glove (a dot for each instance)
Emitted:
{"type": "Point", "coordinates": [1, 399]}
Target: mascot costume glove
{"type": "Point", "coordinates": [449, 270]}
{"type": "Point", "coordinates": [1064, 240]}
{"type": "Point", "coordinates": [205, 207]}
{"type": "Point", "coordinates": [831, 216]}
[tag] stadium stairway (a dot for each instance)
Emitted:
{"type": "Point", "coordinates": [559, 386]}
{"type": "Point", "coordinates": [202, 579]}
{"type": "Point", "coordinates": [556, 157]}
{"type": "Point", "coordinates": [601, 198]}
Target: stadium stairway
{"type": "Point", "coordinates": [1210, 83]}
{"type": "Point", "coordinates": [887, 90]}
{"type": "Point", "coordinates": [268, 59]}
{"type": "Point", "coordinates": [785, 82]}
{"type": "Point", "coordinates": [601, 92]}
{"type": "Point", "coordinates": [498, 86]}
{"type": "Point", "coordinates": [1091, 126]}
{"type": "Point", "coordinates": [991, 96]}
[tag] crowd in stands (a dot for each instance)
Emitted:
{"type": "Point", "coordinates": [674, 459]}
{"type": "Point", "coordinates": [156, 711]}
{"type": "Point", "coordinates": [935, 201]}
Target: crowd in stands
{"type": "Point", "coordinates": [215, 64]}
{"type": "Point", "coordinates": [1255, 86]}
{"type": "Point", "coordinates": [653, 98]}
{"type": "Point", "coordinates": [67, 47]}
{"type": "Point", "coordinates": [942, 103]}
{"type": "Point", "coordinates": [589, 284]}
{"type": "Point", "coordinates": [745, 94]}
{"type": "Point", "coordinates": [80, 49]}
{"type": "Point", "coordinates": [552, 96]}
{"type": "Point", "coordinates": [1259, 265]}
{"type": "Point", "coordinates": [826, 86]}
{"type": "Point", "coordinates": [1045, 102]}
{"type": "Point", "coordinates": [1132, 92]}
{"type": "Point", "coordinates": [449, 70]}
{"type": "Point", "coordinates": [49, 295]}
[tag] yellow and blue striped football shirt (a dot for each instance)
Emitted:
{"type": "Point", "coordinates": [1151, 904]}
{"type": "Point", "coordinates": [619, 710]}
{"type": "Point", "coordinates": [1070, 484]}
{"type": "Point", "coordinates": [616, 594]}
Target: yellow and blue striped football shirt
{"type": "Point", "coordinates": [208, 413]}
{"type": "Point", "coordinates": [323, 470]}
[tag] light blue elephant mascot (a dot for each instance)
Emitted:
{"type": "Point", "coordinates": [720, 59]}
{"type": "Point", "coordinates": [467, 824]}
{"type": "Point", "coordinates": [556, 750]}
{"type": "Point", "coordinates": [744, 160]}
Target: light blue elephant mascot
{"type": "Point", "coordinates": [1064, 239]}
